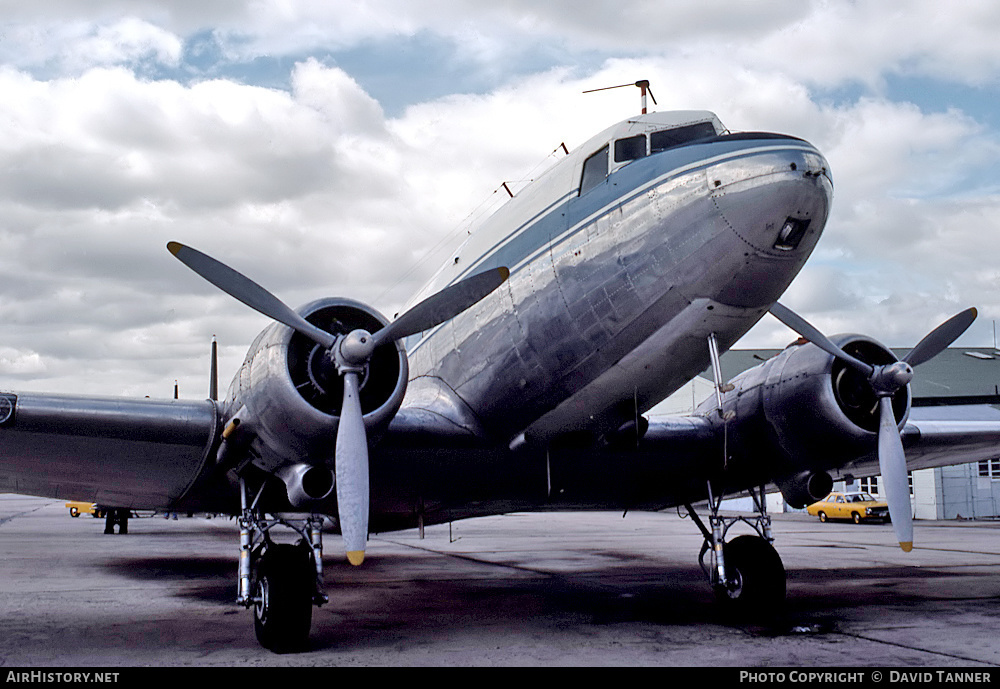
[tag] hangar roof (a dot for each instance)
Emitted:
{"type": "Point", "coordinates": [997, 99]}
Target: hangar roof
{"type": "Point", "coordinates": [956, 374]}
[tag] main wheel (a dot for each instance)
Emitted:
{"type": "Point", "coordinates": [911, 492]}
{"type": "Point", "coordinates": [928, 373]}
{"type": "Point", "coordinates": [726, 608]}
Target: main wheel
{"type": "Point", "coordinates": [822, 516]}
{"type": "Point", "coordinates": [756, 576]}
{"type": "Point", "coordinates": [856, 517]}
{"type": "Point", "coordinates": [283, 585]}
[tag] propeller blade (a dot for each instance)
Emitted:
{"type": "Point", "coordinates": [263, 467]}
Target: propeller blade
{"type": "Point", "coordinates": [939, 338]}
{"type": "Point", "coordinates": [352, 472]}
{"type": "Point", "coordinates": [247, 291]}
{"type": "Point", "coordinates": [806, 330]}
{"type": "Point", "coordinates": [892, 463]}
{"type": "Point", "coordinates": [443, 305]}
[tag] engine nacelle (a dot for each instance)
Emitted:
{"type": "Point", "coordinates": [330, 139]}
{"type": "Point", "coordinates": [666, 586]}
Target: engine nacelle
{"type": "Point", "coordinates": [822, 410]}
{"type": "Point", "coordinates": [288, 395]}
{"type": "Point", "coordinates": [803, 413]}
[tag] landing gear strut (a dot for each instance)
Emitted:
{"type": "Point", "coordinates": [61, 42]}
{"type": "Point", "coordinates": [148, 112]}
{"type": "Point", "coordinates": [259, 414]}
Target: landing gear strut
{"type": "Point", "coordinates": [745, 573]}
{"type": "Point", "coordinates": [116, 516]}
{"type": "Point", "coordinates": [281, 582]}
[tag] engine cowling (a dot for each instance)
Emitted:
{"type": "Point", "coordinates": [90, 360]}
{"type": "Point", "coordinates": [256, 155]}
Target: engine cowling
{"type": "Point", "coordinates": [288, 394]}
{"type": "Point", "coordinates": [804, 413]}
{"type": "Point", "coordinates": [823, 410]}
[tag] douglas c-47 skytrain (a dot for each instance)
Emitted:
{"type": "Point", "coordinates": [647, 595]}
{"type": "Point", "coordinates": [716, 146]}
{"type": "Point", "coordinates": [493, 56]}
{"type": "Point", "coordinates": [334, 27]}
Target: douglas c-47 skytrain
{"type": "Point", "coordinates": [519, 378]}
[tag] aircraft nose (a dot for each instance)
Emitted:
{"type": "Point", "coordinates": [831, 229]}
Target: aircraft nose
{"type": "Point", "coordinates": [774, 201]}
{"type": "Point", "coordinates": [776, 197]}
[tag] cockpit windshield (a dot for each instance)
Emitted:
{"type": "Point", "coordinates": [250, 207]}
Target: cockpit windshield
{"type": "Point", "coordinates": [597, 166]}
{"type": "Point", "coordinates": [630, 148]}
{"type": "Point", "coordinates": [668, 138]}
{"type": "Point", "coordinates": [633, 147]}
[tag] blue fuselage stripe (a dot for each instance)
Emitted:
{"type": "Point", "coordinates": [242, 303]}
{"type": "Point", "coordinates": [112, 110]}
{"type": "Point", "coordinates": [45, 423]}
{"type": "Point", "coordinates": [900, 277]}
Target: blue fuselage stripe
{"type": "Point", "coordinates": [572, 213]}
{"type": "Point", "coordinates": [533, 237]}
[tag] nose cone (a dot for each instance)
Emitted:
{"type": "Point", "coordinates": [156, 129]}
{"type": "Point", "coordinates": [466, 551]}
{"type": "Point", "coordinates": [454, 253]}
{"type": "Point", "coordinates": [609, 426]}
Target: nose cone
{"type": "Point", "coordinates": [888, 379]}
{"type": "Point", "coordinates": [774, 199]}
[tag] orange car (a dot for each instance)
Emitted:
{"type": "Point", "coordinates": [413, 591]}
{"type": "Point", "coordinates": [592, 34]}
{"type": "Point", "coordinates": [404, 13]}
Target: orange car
{"type": "Point", "coordinates": [76, 508]}
{"type": "Point", "coordinates": [854, 506]}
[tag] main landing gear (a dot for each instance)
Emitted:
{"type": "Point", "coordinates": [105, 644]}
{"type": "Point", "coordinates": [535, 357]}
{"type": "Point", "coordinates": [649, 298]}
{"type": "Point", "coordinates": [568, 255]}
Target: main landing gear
{"type": "Point", "coordinates": [746, 573]}
{"type": "Point", "coordinates": [280, 581]}
{"type": "Point", "coordinates": [116, 516]}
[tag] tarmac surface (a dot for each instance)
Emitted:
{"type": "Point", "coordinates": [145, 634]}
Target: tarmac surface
{"type": "Point", "coordinates": [569, 589]}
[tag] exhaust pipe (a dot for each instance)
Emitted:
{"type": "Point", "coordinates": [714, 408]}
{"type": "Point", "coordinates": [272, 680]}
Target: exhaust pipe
{"type": "Point", "coordinates": [805, 488]}
{"type": "Point", "coordinates": [307, 483]}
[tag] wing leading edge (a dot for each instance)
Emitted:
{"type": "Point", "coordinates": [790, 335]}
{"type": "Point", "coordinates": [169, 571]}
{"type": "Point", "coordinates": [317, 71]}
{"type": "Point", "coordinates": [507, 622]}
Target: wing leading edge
{"type": "Point", "coordinates": [948, 435]}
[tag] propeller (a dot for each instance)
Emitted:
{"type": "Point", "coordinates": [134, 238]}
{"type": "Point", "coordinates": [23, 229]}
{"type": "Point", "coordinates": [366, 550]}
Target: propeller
{"type": "Point", "coordinates": [350, 354]}
{"type": "Point", "coordinates": [886, 380]}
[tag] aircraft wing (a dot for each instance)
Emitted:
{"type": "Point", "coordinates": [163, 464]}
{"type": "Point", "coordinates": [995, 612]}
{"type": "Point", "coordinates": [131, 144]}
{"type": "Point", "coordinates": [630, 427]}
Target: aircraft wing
{"type": "Point", "coordinates": [939, 436]}
{"type": "Point", "coordinates": [943, 436]}
{"type": "Point", "coordinates": [138, 453]}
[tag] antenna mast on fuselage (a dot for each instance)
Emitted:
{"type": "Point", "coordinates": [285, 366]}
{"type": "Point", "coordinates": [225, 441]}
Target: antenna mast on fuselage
{"type": "Point", "coordinates": [642, 84]}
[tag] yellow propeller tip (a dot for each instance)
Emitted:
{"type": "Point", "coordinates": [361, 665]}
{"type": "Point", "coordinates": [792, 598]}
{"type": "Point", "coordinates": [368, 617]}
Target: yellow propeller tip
{"type": "Point", "coordinates": [906, 546]}
{"type": "Point", "coordinates": [174, 247]}
{"type": "Point", "coordinates": [356, 557]}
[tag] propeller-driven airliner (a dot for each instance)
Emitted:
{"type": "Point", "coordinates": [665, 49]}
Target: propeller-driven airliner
{"type": "Point", "coordinates": [521, 376]}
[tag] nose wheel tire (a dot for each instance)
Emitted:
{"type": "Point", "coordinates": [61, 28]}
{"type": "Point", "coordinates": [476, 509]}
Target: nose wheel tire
{"type": "Point", "coordinates": [282, 587]}
{"type": "Point", "coordinates": [756, 576]}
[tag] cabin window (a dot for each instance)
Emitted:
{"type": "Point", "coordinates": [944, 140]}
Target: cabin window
{"type": "Point", "coordinates": [631, 148]}
{"type": "Point", "coordinates": [595, 169]}
{"type": "Point", "coordinates": [668, 138]}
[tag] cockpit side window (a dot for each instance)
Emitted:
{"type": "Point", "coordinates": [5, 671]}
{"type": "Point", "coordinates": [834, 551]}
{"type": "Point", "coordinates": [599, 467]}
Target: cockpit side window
{"type": "Point", "coordinates": [631, 148]}
{"type": "Point", "coordinates": [595, 169]}
{"type": "Point", "coordinates": [668, 138]}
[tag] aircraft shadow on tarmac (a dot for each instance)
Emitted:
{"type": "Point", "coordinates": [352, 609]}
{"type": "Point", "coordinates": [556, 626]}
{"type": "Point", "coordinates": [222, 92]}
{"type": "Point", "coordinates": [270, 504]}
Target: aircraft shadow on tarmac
{"type": "Point", "coordinates": [375, 606]}
{"type": "Point", "coordinates": [208, 579]}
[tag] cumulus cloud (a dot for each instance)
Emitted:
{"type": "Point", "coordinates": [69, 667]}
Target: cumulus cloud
{"type": "Point", "coordinates": [127, 40]}
{"type": "Point", "coordinates": [824, 42]}
{"type": "Point", "coordinates": [73, 47]}
{"type": "Point", "coordinates": [863, 41]}
{"type": "Point", "coordinates": [314, 189]}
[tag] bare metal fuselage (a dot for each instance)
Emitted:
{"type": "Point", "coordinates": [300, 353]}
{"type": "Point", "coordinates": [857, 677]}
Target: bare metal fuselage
{"type": "Point", "coordinates": [613, 292]}
{"type": "Point", "coordinates": [612, 296]}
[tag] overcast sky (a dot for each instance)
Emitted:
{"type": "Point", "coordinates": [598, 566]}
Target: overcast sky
{"type": "Point", "coordinates": [338, 148]}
